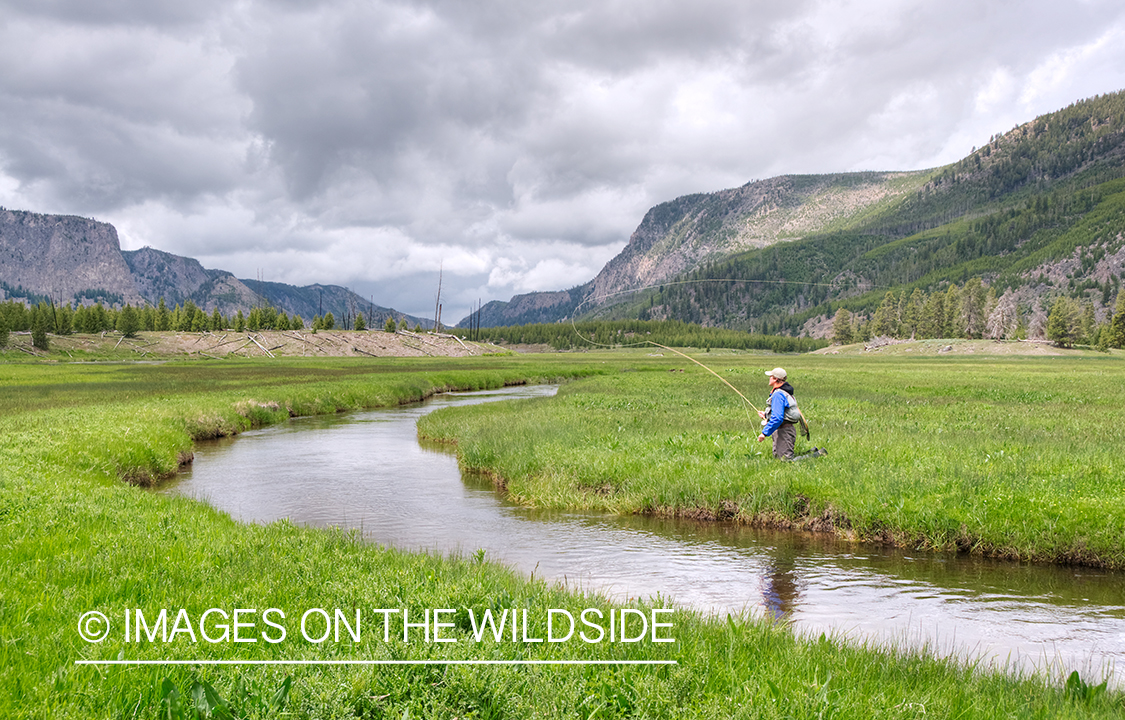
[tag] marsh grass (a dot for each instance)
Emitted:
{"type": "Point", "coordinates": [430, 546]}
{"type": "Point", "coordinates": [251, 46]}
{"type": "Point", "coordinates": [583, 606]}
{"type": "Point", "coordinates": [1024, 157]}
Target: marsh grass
{"type": "Point", "coordinates": [1018, 458]}
{"type": "Point", "coordinates": [75, 537]}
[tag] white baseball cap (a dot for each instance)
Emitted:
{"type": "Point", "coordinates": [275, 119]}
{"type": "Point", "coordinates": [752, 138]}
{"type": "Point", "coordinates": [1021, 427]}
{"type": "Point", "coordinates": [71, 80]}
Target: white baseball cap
{"type": "Point", "coordinates": [778, 373]}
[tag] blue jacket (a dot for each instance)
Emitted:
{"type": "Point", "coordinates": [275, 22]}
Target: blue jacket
{"type": "Point", "coordinates": [778, 403]}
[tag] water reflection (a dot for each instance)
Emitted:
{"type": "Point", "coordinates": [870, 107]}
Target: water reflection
{"type": "Point", "coordinates": [367, 471]}
{"type": "Point", "coordinates": [779, 585]}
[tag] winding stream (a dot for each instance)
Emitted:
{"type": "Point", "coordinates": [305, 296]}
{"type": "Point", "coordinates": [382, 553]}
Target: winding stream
{"type": "Point", "coordinates": [368, 471]}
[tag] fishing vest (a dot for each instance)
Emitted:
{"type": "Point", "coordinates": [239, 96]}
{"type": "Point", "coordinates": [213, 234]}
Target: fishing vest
{"type": "Point", "coordinates": [792, 412]}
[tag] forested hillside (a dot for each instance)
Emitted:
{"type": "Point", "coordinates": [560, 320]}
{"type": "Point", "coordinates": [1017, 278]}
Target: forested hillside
{"type": "Point", "coordinates": [1036, 215]}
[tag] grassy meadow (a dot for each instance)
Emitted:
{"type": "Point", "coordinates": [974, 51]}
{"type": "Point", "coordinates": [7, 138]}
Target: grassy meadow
{"type": "Point", "coordinates": [75, 537]}
{"type": "Point", "coordinates": [1013, 457]}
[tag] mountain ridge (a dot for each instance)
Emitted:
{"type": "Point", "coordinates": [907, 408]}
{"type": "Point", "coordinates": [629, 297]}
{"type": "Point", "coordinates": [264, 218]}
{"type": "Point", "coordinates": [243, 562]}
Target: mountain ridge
{"type": "Point", "coordinates": [1035, 199]}
{"type": "Point", "coordinates": [77, 260]}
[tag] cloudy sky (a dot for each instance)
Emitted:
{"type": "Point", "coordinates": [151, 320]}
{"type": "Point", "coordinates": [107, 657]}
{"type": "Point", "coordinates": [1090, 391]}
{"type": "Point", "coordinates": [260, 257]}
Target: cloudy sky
{"type": "Point", "coordinates": [514, 143]}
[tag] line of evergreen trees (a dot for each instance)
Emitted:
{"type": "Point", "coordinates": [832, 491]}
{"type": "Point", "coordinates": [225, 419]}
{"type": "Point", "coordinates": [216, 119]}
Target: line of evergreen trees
{"type": "Point", "coordinates": [974, 311]}
{"type": "Point", "coordinates": [46, 317]}
{"type": "Point", "coordinates": [63, 319]}
{"type": "Point", "coordinates": [624, 333]}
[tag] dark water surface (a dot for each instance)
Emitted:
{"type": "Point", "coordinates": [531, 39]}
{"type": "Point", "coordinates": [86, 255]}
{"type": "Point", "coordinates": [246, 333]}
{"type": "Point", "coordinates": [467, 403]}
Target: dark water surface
{"type": "Point", "coordinates": [367, 471]}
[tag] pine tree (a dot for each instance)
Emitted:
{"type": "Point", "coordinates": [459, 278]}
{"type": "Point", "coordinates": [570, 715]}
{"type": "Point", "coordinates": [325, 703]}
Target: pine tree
{"type": "Point", "coordinates": [952, 327]}
{"type": "Point", "coordinates": [187, 316]}
{"type": "Point", "coordinates": [842, 328]}
{"type": "Point", "coordinates": [912, 313]}
{"type": "Point", "coordinates": [3, 330]}
{"type": "Point", "coordinates": [1117, 324]}
{"type": "Point", "coordinates": [64, 320]}
{"type": "Point", "coordinates": [974, 298]}
{"type": "Point", "coordinates": [269, 318]}
{"type": "Point", "coordinates": [163, 317]}
{"type": "Point", "coordinates": [128, 322]}
{"type": "Point", "coordinates": [328, 321]}
{"type": "Point", "coordinates": [360, 324]}
{"type": "Point", "coordinates": [1064, 323]}
{"type": "Point", "coordinates": [1088, 332]}
{"type": "Point", "coordinates": [933, 316]}
{"type": "Point", "coordinates": [39, 329]}
{"type": "Point", "coordinates": [885, 321]}
{"type": "Point", "coordinates": [14, 315]}
{"type": "Point", "coordinates": [390, 325]}
{"type": "Point", "coordinates": [217, 320]}
{"type": "Point", "coordinates": [1002, 317]}
{"type": "Point", "coordinates": [148, 318]}
{"type": "Point", "coordinates": [80, 320]}
{"type": "Point", "coordinates": [1101, 342]}
{"type": "Point", "coordinates": [98, 319]}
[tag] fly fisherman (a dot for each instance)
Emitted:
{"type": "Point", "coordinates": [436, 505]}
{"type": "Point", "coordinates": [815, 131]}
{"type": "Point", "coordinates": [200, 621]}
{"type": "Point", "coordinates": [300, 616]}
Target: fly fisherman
{"type": "Point", "coordinates": [783, 416]}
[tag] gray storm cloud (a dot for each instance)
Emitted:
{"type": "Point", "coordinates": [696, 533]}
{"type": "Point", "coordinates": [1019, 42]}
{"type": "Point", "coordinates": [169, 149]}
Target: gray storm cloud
{"type": "Point", "coordinates": [516, 145]}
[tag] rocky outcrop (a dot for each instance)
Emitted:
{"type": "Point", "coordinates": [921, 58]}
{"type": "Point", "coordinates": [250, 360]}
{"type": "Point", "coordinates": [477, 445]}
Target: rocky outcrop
{"type": "Point", "coordinates": [72, 259]}
{"type": "Point", "coordinates": [64, 257]}
{"type": "Point", "coordinates": [682, 234]}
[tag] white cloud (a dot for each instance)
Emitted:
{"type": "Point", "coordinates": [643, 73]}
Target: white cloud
{"type": "Point", "coordinates": [515, 145]}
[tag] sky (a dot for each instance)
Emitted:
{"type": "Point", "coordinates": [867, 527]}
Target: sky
{"type": "Point", "coordinates": [512, 145]}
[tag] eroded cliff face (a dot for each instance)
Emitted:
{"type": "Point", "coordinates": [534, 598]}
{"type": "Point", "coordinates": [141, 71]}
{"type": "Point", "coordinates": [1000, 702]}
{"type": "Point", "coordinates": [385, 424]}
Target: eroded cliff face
{"type": "Point", "coordinates": [680, 235]}
{"type": "Point", "coordinates": [63, 257]}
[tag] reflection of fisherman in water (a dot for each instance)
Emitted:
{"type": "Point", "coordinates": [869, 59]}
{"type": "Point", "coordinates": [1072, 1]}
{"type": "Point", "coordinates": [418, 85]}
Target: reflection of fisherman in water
{"type": "Point", "coordinates": [779, 586]}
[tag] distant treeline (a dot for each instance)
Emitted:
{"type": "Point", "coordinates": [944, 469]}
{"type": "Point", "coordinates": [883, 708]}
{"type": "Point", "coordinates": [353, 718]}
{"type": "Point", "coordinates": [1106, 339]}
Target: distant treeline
{"type": "Point", "coordinates": [619, 333]}
{"type": "Point", "coordinates": [975, 311]}
{"type": "Point", "coordinates": [64, 319]}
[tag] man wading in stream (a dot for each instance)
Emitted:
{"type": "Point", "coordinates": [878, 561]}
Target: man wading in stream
{"type": "Point", "coordinates": [783, 416]}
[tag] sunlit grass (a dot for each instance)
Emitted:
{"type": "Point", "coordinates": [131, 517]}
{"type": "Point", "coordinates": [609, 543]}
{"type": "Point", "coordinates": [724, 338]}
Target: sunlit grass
{"type": "Point", "coordinates": [75, 537]}
{"type": "Point", "coordinates": [1018, 458]}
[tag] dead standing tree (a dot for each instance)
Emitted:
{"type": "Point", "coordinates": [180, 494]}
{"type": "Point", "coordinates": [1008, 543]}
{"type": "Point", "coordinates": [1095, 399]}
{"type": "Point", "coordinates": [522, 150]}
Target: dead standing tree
{"type": "Point", "coordinates": [437, 302]}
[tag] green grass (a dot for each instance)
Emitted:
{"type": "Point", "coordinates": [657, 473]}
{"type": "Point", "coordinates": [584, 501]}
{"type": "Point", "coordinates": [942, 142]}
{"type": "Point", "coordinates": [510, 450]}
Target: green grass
{"type": "Point", "coordinates": [1017, 458]}
{"type": "Point", "coordinates": [74, 537]}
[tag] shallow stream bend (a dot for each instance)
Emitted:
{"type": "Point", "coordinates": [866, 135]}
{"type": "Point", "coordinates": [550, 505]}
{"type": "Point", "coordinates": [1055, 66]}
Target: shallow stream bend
{"type": "Point", "coordinates": [367, 471]}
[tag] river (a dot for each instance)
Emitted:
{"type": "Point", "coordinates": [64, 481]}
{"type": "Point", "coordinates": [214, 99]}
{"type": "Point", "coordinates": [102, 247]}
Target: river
{"type": "Point", "coordinates": [367, 471]}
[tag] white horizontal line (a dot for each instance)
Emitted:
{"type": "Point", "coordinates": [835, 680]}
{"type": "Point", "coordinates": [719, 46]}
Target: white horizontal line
{"type": "Point", "coordinates": [376, 662]}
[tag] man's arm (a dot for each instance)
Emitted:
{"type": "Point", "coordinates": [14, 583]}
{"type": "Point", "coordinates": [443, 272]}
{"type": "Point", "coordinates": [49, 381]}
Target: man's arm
{"type": "Point", "coordinates": [777, 414]}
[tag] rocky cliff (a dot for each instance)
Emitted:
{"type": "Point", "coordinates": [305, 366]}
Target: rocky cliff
{"type": "Point", "coordinates": [70, 259]}
{"type": "Point", "coordinates": [64, 257]}
{"type": "Point", "coordinates": [680, 235]}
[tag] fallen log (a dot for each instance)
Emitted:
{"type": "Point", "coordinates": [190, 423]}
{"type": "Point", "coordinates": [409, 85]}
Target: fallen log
{"type": "Point", "coordinates": [267, 352]}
